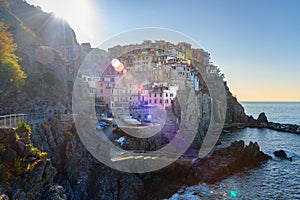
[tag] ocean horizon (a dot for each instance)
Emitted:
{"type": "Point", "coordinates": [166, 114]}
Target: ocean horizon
{"type": "Point", "coordinates": [276, 111]}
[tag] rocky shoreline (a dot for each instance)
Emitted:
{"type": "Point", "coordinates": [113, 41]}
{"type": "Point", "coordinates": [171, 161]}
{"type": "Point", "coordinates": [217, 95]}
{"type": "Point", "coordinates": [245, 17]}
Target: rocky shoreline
{"type": "Point", "coordinates": [74, 174]}
{"type": "Point", "coordinates": [263, 122]}
{"type": "Point", "coordinates": [291, 128]}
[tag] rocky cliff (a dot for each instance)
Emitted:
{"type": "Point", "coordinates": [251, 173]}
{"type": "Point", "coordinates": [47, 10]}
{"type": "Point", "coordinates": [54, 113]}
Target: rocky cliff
{"type": "Point", "coordinates": [25, 171]}
{"type": "Point", "coordinates": [41, 47]}
{"type": "Point", "coordinates": [83, 177]}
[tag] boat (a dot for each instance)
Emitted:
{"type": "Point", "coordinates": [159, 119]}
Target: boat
{"type": "Point", "coordinates": [131, 121]}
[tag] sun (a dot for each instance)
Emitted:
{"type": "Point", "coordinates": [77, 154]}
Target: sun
{"type": "Point", "coordinates": [81, 15]}
{"type": "Point", "coordinates": [67, 9]}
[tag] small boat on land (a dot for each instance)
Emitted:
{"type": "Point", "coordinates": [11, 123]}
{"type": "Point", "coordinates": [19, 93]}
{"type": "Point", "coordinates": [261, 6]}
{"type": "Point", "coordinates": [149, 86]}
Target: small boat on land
{"type": "Point", "coordinates": [131, 121]}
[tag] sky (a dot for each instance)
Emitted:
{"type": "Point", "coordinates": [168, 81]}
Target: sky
{"type": "Point", "coordinates": [255, 43]}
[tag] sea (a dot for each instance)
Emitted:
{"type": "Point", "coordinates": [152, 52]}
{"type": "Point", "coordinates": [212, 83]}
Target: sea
{"type": "Point", "coordinates": [276, 179]}
{"type": "Point", "coordinates": [281, 112]}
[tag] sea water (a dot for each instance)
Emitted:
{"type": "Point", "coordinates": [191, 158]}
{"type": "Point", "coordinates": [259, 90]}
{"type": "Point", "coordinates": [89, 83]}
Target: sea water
{"type": "Point", "coordinates": [276, 179]}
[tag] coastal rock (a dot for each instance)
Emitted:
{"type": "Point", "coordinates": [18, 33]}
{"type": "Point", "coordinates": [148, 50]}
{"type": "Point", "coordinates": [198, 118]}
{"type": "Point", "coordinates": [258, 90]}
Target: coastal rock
{"type": "Point", "coordinates": [91, 179]}
{"type": "Point", "coordinates": [262, 120]}
{"type": "Point", "coordinates": [281, 154]}
{"type": "Point", "coordinates": [25, 170]}
{"type": "Point", "coordinates": [226, 161]}
{"type": "Point", "coordinates": [235, 111]}
{"type": "Point", "coordinates": [252, 121]}
{"type": "Point", "coordinates": [55, 192]}
{"type": "Point", "coordinates": [292, 128]}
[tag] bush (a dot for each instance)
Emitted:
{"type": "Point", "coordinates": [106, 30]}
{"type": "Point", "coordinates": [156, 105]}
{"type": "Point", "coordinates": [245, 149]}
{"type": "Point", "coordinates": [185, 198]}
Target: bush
{"type": "Point", "coordinates": [10, 70]}
{"type": "Point", "coordinates": [23, 127]}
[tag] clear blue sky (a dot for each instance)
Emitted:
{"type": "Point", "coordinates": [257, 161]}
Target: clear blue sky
{"type": "Point", "coordinates": [255, 43]}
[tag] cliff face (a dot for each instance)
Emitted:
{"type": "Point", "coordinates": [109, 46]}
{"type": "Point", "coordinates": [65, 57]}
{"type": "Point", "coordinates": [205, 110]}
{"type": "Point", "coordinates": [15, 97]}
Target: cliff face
{"type": "Point", "coordinates": [83, 177]}
{"type": "Point", "coordinates": [45, 27]}
{"type": "Point", "coordinates": [25, 171]}
{"type": "Point", "coordinates": [214, 109]}
{"type": "Point", "coordinates": [42, 41]}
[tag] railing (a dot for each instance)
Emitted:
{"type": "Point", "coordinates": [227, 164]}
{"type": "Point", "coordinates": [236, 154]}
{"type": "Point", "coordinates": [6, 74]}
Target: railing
{"type": "Point", "coordinates": [31, 118]}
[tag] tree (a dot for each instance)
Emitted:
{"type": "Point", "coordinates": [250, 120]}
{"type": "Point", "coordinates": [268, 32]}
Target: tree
{"type": "Point", "coordinates": [10, 70]}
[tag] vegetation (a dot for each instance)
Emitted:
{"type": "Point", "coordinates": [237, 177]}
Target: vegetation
{"type": "Point", "coordinates": [10, 70]}
{"type": "Point", "coordinates": [15, 170]}
{"type": "Point", "coordinates": [36, 152]}
{"type": "Point", "coordinates": [23, 127]}
{"type": "Point", "coordinates": [11, 170]}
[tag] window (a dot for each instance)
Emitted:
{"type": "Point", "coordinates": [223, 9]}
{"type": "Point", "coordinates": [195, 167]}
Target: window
{"type": "Point", "coordinates": [167, 95]}
{"type": "Point", "coordinates": [166, 101]}
{"type": "Point", "coordinates": [160, 95]}
{"type": "Point", "coordinates": [101, 91]}
{"type": "Point", "coordinates": [154, 100]}
{"type": "Point", "coordinates": [149, 94]}
{"type": "Point", "coordinates": [171, 95]}
{"type": "Point", "coordinates": [101, 84]}
{"type": "Point", "coordinates": [160, 101]}
{"type": "Point", "coordinates": [154, 94]}
{"type": "Point", "coordinates": [150, 101]}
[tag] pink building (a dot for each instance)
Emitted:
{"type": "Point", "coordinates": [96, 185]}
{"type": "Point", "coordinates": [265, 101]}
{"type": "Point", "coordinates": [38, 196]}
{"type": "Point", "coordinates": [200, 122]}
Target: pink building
{"type": "Point", "coordinates": [162, 96]}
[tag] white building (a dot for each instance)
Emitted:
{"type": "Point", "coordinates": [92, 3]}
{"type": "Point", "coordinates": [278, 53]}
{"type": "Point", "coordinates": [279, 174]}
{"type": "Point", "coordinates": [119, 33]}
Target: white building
{"type": "Point", "coordinates": [91, 82]}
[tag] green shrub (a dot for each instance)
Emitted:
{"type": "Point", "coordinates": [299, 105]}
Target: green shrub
{"type": "Point", "coordinates": [24, 127]}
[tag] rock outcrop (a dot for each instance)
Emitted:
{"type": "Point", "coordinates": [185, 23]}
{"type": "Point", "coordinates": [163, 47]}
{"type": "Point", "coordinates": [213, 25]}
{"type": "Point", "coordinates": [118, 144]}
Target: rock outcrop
{"type": "Point", "coordinates": [224, 162]}
{"type": "Point", "coordinates": [42, 55]}
{"type": "Point", "coordinates": [282, 154]}
{"type": "Point", "coordinates": [291, 128]}
{"type": "Point", "coordinates": [83, 177]}
{"type": "Point", "coordinates": [25, 171]}
{"type": "Point", "coordinates": [263, 122]}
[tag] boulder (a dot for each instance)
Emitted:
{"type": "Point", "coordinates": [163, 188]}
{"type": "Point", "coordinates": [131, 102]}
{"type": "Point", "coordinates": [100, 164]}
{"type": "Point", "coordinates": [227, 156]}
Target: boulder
{"type": "Point", "coordinates": [262, 119]}
{"type": "Point", "coordinates": [281, 154]}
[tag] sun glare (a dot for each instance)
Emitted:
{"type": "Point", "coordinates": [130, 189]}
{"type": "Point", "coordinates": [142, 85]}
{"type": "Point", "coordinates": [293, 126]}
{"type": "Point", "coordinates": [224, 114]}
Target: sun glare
{"type": "Point", "coordinates": [81, 14]}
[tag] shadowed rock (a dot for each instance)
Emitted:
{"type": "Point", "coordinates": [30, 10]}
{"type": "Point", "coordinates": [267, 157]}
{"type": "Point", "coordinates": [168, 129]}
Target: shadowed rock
{"type": "Point", "coordinates": [281, 154]}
